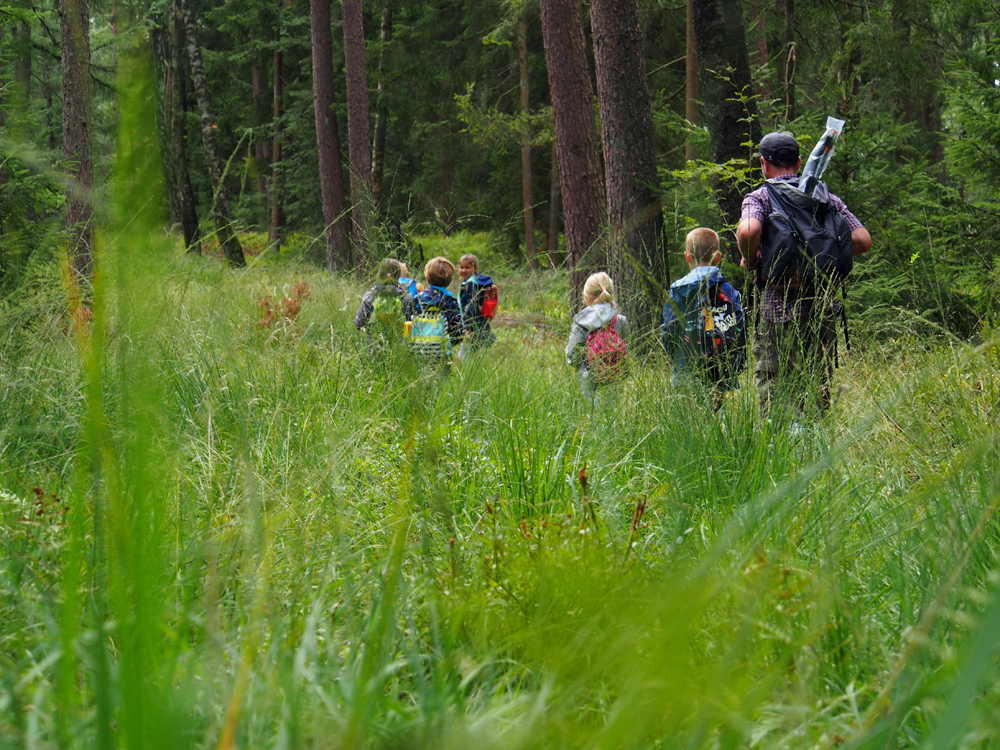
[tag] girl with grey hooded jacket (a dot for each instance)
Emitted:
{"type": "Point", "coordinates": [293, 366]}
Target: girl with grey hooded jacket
{"type": "Point", "coordinates": [600, 311]}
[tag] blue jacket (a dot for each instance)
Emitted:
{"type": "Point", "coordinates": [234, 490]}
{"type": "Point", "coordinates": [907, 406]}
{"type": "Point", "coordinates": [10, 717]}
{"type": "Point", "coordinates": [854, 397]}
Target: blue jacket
{"type": "Point", "coordinates": [440, 299]}
{"type": "Point", "coordinates": [471, 295]}
{"type": "Point", "coordinates": [684, 324]}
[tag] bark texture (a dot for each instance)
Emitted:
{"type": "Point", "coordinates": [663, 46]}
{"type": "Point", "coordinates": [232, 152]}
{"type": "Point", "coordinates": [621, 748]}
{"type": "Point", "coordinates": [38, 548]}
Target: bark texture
{"type": "Point", "coordinates": [690, 83]}
{"type": "Point", "coordinates": [261, 112]}
{"type": "Point", "coordinates": [760, 57]}
{"type": "Point", "coordinates": [274, 235]}
{"type": "Point", "coordinates": [187, 206]}
{"type": "Point", "coordinates": [331, 180]}
{"type": "Point", "coordinates": [527, 202]}
{"type": "Point", "coordinates": [788, 60]}
{"type": "Point", "coordinates": [357, 125]}
{"type": "Point", "coordinates": [576, 139]}
{"type": "Point", "coordinates": [167, 52]}
{"type": "Point", "coordinates": [635, 250]}
{"type": "Point", "coordinates": [220, 203]}
{"type": "Point", "coordinates": [381, 109]}
{"type": "Point", "coordinates": [77, 128]}
{"type": "Point", "coordinates": [721, 45]}
{"type": "Point", "coordinates": [552, 242]}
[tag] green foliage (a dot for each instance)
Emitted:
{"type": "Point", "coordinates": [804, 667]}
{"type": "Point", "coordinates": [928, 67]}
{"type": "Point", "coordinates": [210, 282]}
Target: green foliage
{"type": "Point", "coordinates": [285, 544]}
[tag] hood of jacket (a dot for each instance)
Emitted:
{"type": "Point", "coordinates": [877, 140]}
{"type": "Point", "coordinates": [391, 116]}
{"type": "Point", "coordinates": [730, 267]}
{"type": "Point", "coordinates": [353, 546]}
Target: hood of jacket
{"type": "Point", "coordinates": [593, 317]}
{"type": "Point", "coordinates": [700, 275]}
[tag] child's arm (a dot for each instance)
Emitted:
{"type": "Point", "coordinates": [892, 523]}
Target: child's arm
{"type": "Point", "coordinates": [364, 311]}
{"type": "Point", "coordinates": [575, 345]}
{"type": "Point", "coordinates": [453, 315]}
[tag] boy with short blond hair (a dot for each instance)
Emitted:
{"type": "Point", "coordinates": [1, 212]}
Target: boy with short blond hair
{"type": "Point", "coordinates": [436, 300]}
{"type": "Point", "coordinates": [703, 322]}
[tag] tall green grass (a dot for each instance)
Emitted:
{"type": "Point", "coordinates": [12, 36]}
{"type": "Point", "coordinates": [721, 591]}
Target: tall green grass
{"type": "Point", "coordinates": [248, 536]}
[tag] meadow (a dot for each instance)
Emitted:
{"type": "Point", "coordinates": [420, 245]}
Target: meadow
{"type": "Point", "coordinates": [221, 527]}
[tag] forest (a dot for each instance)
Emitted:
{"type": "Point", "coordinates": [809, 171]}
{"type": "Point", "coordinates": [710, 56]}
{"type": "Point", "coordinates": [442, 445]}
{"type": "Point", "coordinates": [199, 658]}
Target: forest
{"type": "Point", "coordinates": [223, 524]}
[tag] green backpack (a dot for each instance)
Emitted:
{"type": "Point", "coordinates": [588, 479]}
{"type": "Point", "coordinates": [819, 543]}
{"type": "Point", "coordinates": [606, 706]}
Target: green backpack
{"type": "Point", "coordinates": [385, 325]}
{"type": "Point", "coordinates": [429, 337]}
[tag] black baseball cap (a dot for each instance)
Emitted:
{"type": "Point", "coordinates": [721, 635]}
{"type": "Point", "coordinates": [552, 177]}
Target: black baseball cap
{"type": "Point", "coordinates": [781, 148]}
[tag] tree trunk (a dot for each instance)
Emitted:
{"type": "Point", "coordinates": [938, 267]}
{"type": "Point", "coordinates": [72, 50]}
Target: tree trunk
{"type": "Point", "coordinates": [357, 126]}
{"type": "Point", "coordinates": [721, 45]}
{"type": "Point", "coordinates": [48, 92]}
{"type": "Point", "coordinates": [161, 58]}
{"type": "Point", "coordinates": [528, 203]}
{"type": "Point", "coordinates": [220, 203]}
{"type": "Point", "coordinates": [761, 89]}
{"type": "Point", "coordinates": [788, 60]}
{"type": "Point", "coordinates": [635, 251]}
{"type": "Point", "coordinates": [331, 180]}
{"type": "Point", "coordinates": [576, 139]}
{"type": "Point", "coordinates": [167, 46]}
{"type": "Point", "coordinates": [22, 91]}
{"type": "Point", "coordinates": [381, 109]}
{"type": "Point", "coordinates": [261, 108]}
{"type": "Point", "coordinates": [22, 72]}
{"type": "Point", "coordinates": [77, 125]}
{"type": "Point", "coordinates": [691, 84]}
{"type": "Point", "coordinates": [274, 236]}
{"type": "Point", "coordinates": [187, 205]}
{"type": "Point", "coordinates": [552, 243]}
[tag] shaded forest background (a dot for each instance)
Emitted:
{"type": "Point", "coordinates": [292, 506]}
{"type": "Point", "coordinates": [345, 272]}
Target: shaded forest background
{"type": "Point", "coordinates": [454, 101]}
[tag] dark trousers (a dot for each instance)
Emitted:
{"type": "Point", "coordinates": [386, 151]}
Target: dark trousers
{"type": "Point", "coordinates": [794, 363]}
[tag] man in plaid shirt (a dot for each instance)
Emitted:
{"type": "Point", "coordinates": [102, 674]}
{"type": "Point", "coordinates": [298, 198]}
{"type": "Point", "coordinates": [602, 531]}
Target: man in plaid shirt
{"type": "Point", "coordinates": [795, 338]}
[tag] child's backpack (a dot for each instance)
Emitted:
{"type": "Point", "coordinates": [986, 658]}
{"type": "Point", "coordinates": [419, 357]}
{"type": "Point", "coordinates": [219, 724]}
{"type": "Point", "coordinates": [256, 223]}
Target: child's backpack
{"type": "Point", "coordinates": [489, 294]}
{"type": "Point", "coordinates": [805, 234]}
{"type": "Point", "coordinates": [606, 354]}
{"type": "Point", "coordinates": [429, 337]}
{"type": "Point", "coordinates": [386, 324]}
{"type": "Point", "coordinates": [707, 322]}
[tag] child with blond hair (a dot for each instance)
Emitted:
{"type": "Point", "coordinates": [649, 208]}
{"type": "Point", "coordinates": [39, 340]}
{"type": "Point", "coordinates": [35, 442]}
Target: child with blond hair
{"type": "Point", "coordinates": [473, 295]}
{"type": "Point", "coordinates": [704, 324]}
{"type": "Point", "coordinates": [596, 346]}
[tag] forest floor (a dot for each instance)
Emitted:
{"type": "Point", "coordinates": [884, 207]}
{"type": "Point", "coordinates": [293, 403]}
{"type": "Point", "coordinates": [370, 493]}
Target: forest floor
{"type": "Point", "coordinates": [244, 534]}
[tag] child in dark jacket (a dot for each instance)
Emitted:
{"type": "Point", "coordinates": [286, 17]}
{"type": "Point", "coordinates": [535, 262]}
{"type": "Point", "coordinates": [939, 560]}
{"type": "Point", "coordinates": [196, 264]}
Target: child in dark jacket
{"type": "Point", "coordinates": [704, 323]}
{"type": "Point", "coordinates": [384, 310]}
{"type": "Point", "coordinates": [386, 288]}
{"type": "Point", "coordinates": [471, 296]}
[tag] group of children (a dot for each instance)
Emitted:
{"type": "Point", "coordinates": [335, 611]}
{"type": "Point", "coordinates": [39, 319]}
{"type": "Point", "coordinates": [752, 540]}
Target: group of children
{"type": "Point", "coordinates": [703, 330]}
{"type": "Point", "coordinates": [429, 315]}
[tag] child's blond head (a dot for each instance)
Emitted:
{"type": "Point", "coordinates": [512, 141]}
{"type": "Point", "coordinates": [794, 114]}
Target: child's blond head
{"type": "Point", "coordinates": [701, 246]}
{"type": "Point", "coordinates": [598, 288]}
{"type": "Point", "coordinates": [472, 259]}
{"type": "Point", "coordinates": [439, 271]}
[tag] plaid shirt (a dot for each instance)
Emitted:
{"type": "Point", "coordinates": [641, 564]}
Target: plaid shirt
{"type": "Point", "coordinates": [780, 304]}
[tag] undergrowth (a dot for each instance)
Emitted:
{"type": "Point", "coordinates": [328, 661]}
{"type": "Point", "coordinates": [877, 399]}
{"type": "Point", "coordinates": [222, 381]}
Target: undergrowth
{"type": "Point", "coordinates": [220, 532]}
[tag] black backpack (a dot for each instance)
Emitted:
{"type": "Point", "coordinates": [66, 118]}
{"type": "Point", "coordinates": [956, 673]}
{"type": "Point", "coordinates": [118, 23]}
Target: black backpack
{"type": "Point", "coordinates": [702, 322]}
{"type": "Point", "coordinates": [710, 322]}
{"type": "Point", "coordinates": [804, 234]}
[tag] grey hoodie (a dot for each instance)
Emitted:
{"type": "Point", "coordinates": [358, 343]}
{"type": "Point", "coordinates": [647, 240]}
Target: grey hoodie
{"type": "Point", "coordinates": [591, 318]}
